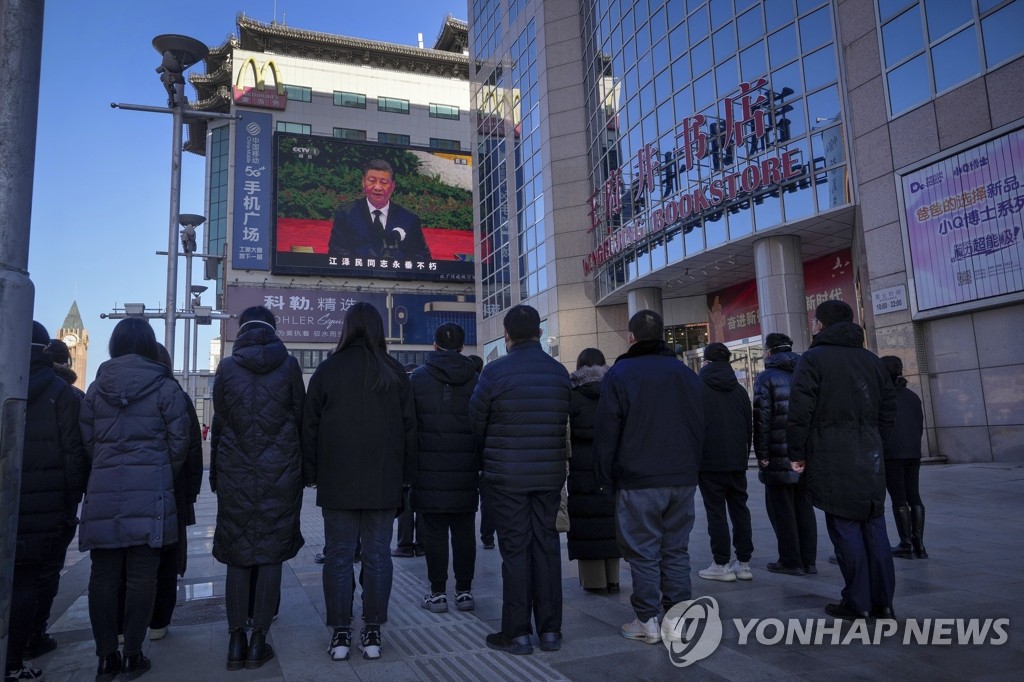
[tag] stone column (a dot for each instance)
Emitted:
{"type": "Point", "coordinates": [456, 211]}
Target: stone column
{"type": "Point", "coordinates": [648, 298]}
{"type": "Point", "coordinates": [780, 288]}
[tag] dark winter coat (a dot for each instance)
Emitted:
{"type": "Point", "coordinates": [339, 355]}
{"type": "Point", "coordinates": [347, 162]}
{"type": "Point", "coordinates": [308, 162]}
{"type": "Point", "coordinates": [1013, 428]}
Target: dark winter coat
{"type": "Point", "coordinates": [520, 410]}
{"type": "Point", "coordinates": [591, 512]}
{"type": "Point", "coordinates": [727, 415]}
{"type": "Point", "coordinates": [447, 467]}
{"type": "Point", "coordinates": [771, 404]}
{"type": "Point", "coordinates": [256, 451]}
{"type": "Point", "coordinates": [650, 421]}
{"type": "Point", "coordinates": [54, 466]}
{"type": "Point", "coordinates": [135, 426]}
{"type": "Point", "coordinates": [359, 445]}
{"type": "Point", "coordinates": [70, 376]}
{"type": "Point", "coordinates": [905, 440]}
{"type": "Point", "coordinates": [841, 409]}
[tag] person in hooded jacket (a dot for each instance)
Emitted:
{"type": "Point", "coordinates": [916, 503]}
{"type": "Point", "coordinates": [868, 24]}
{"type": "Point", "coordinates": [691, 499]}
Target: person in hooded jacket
{"type": "Point", "coordinates": [445, 492]}
{"type": "Point", "coordinates": [903, 465]}
{"type": "Point", "coordinates": [723, 466]}
{"type": "Point", "coordinates": [53, 472]}
{"type": "Point", "coordinates": [785, 493]}
{"type": "Point", "coordinates": [841, 410]}
{"type": "Point", "coordinates": [256, 471]}
{"type": "Point", "coordinates": [135, 426]}
{"type": "Point", "coordinates": [591, 536]}
{"type": "Point", "coordinates": [359, 450]}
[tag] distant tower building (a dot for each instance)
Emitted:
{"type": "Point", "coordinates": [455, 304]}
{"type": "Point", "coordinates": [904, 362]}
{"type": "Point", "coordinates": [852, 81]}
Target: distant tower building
{"type": "Point", "coordinates": [73, 333]}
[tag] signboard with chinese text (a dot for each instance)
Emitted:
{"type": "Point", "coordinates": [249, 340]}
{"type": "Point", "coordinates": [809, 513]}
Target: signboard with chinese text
{"type": "Point", "coordinates": [889, 300]}
{"type": "Point", "coordinates": [410, 218]}
{"type": "Point", "coordinates": [963, 220]}
{"type": "Point", "coordinates": [717, 164]}
{"type": "Point", "coordinates": [250, 234]}
{"type": "Point", "coordinates": [306, 315]}
{"type": "Point", "coordinates": [259, 94]}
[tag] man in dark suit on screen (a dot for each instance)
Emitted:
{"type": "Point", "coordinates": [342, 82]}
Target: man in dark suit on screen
{"type": "Point", "coordinates": [375, 227]}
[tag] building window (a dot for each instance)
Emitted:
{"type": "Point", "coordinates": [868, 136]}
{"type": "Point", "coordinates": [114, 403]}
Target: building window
{"type": "Point", "coordinates": [217, 222]}
{"type": "Point", "coordinates": [297, 93]}
{"type": "Point", "coordinates": [288, 127]}
{"type": "Point", "coordinates": [444, 111]}
{"type": "Point", "coordinates": [309, 360]}
{"type": "Point", "coordinates": [350, 134]}
{"type": "Point", "coordinates": [393, 105]}
{"type": "Point", "coordinates": [350, 99]}
{"type": "Point", "coordinates": [448, 145]}
{"type": "Point", "coordinates": [932, 46]}
{"type": "Point", "coordinates": [393, 138]}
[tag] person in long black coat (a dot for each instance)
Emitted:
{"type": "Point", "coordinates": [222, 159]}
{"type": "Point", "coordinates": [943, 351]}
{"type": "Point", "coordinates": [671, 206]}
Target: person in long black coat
{"type": "Point", "coordinates": [256, 471]}
{"type": "Point", "coordinates": [903, 465]}
{"type": "Point", "coordinates": [591, 536]}
{"type": "Point", "coordinates": [359, 450]}
{"type": "Point", "coordinates": [445, 491]}
{"type": "Point", "coordinates": [53, 474]}
{"type": "Point", "coordinates": [785, 493]}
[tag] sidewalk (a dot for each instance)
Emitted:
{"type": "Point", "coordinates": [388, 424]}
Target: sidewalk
{"type": "Point", "coordinates": [973, 536]}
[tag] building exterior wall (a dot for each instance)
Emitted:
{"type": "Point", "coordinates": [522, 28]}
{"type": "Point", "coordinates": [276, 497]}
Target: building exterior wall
{"type": "Point", "coordinates": [962, 364]}
{"type": "Point", "coordinates": [859, 119]}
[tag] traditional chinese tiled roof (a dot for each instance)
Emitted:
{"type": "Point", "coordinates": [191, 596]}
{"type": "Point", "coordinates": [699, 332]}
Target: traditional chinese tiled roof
{"type": "Point", "coordinates": [213, 88]}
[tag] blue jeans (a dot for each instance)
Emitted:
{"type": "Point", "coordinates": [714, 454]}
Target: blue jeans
{"type": "Point", "coordinates": [652, 526]}
{"type": "Point", "coordinates": [343, 529]}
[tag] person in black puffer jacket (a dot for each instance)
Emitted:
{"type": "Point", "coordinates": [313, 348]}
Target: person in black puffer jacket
{"type": "Point", "coordinates": [785, 494]}
{"type": "Point", "coordinates": [903, 465]}
{"type": "Point", "coordinates": [445, 490]}
{"type": "Point", "coordinates": [841, 409]}
{"type": "Point", "coordinates": [53, 472]}
{"type": "Point", "coordinates": [135, 427]}
{"type": "Point", "coordinates": [723, 466]}
{"type": "Point", "coordinates": [520, 410]}
{"type": "Point", "coordinates": [256, 471]}
{"type": "Point", "coordinates": [591, 536]}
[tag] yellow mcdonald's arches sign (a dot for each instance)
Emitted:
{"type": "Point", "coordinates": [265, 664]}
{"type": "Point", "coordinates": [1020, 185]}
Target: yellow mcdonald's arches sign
{"type": "Point", "coordinates": [257, 95]}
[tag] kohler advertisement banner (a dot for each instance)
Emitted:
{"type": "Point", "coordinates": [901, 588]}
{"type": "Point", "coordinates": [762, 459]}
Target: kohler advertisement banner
{"type": "Point", "coordinates": [253, 214]}
{"type": "Point", "coordinates": [963, 218]}
{"type": "Point", "coordinates": [313, 315]}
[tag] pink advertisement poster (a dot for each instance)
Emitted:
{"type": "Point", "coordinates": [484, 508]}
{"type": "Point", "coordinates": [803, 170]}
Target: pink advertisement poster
{"type": "Point", "coordinates": [964, 217]}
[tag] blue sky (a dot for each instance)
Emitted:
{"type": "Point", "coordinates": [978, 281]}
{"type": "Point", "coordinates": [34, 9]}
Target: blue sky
{"type": "Point", "coordinates": [101, 196]}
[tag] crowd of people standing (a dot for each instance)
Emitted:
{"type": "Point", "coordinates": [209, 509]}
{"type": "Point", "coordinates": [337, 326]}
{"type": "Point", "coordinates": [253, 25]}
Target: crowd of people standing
{"type": "Point", "coordinates": [631, 443]}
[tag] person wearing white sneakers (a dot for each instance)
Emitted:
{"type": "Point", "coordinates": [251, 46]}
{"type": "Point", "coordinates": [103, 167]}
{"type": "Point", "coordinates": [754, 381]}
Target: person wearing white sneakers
{"type": "Point", "coordinates": [652, 470]}
{"type": "Point", "coordinates": [728, 435]}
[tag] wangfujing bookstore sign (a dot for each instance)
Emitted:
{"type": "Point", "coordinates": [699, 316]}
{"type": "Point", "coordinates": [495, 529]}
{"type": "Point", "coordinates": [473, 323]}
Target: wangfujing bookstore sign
{"type": "Point", "coordinates": [747, 125]}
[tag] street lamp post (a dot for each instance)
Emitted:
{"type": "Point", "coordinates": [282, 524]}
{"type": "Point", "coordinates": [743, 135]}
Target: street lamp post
{"type": "Point", "coordinates": [179, 53]}
{"type": "Point", "coordinates": [197, 318]}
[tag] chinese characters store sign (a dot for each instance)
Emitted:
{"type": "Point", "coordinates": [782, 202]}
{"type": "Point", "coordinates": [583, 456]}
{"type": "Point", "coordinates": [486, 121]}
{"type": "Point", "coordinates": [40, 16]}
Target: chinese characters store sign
{"type": "Point", "coordinates": [964, 217]}
{"type": "Point", "coordinates": [258, 95]}
{"type": "Point", "coordinates": [724, 149]}
{"type": "Point", "coordinates": [250, 236]}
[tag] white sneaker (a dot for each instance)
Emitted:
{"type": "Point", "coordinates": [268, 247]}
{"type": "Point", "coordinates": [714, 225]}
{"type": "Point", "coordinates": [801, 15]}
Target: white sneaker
{"type": "Point", "coordinates": [648, 631]}
{"type": "Point", "coordinates": [742, 569]}
{"type": "Point", "coordinates": [341, 642]}
{"type": "Point", "coordinates": [719, 572]}
{"type": "Point", "coordinates": [157, 633]}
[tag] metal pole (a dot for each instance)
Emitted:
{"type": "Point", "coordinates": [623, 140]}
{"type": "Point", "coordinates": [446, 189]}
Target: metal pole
{"type": "Point", "coordinates": [21, 35]}
{"type": "Point", "coordinates": [187, 299]}
{"type": "Point", "coordinates": [170, 314]}
{"type": "Point", "coordinates": [195, 359]}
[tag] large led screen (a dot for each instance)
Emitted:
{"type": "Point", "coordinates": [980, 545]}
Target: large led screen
{"type": "Point", "coordinates": [359, 209]}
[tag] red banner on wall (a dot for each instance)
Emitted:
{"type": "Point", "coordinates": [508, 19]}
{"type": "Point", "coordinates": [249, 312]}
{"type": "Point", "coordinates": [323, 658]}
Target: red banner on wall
{"type": "Point", "coordinates": [733, 312]}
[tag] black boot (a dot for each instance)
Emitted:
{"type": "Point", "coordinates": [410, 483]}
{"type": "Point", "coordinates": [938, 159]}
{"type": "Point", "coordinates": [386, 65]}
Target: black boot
{"type": "Point", "coordinates": [135, 666]}
{"type": "Point", "coordinates": [917, 536]}
{"type": "Point", "coordinates": [259, 651]}
{"type": "Point", "coordinates": [904, 550]}
{"type": "Point", "coordinates": [109, 667]}
{"type": "Point", "coordinates": [238, 646]}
